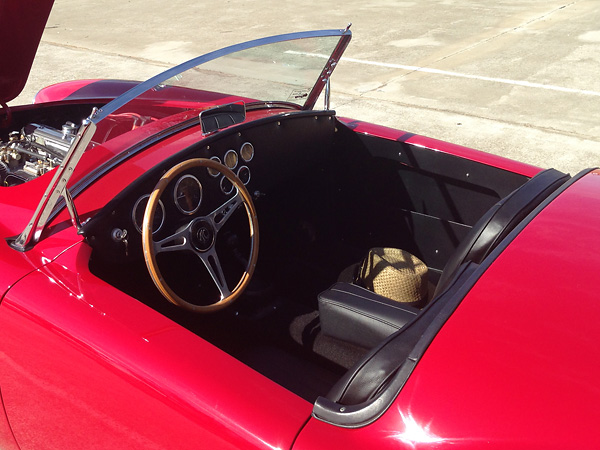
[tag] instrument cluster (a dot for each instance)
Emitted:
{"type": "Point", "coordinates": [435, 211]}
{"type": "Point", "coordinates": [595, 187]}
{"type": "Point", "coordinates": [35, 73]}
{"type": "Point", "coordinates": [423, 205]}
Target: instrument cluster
{"type": "Point", "coordinates": [188, 190]}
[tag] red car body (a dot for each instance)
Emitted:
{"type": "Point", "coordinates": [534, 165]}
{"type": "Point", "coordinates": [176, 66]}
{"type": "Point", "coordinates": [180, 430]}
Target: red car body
{"type": "Point", "coordinates": [86, 361]}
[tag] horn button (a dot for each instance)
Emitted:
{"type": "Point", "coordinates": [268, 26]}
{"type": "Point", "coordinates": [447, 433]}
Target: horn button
{"type": "Point", "coordinates": [203, 235]}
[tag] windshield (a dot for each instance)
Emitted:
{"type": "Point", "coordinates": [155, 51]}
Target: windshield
{"type": "Point", "coordinates": [279, 69]}
{"type": "Point", "coordinates": [276, 69]}
{"type": "Point", "coordinates": [280, 72]}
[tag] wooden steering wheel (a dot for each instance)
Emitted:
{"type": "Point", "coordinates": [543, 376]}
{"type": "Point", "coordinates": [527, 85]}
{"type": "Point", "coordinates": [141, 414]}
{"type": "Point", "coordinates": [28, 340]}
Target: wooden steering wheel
{"type": "Point", "coordinates": [199, 236]}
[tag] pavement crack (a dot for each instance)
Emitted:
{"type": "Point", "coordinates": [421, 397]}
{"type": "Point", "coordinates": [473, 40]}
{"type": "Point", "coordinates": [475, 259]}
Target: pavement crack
{"type": "Point", "coordinates": [107, 53]}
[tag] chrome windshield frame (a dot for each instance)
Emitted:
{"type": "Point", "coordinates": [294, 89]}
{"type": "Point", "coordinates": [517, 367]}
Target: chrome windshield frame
{"type": "Point", "coordinates": [58, 185]}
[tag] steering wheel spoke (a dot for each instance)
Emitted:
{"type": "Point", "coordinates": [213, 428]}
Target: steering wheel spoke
{"type": "Point", "coordinates": [213, 265]}
{"type": "Point", "coordinates": [222, 214]}
{"type": "Point", "coordinates": [176, 242]}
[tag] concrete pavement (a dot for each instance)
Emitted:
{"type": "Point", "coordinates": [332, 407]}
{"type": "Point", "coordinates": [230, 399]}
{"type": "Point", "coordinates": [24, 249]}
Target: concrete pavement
{"type": "Point", "coordinates": [513, 78]}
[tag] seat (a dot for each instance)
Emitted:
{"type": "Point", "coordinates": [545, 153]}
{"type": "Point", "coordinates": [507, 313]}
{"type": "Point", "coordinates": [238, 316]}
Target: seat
{"type": "Point", "coordinates": [374, 298]}
{"type": "Point", "coordinates": [359, 316]}
{"type": "Point", "coordinates": [390, 285]}
{"type": "Point", "coordinates": [364, 381]}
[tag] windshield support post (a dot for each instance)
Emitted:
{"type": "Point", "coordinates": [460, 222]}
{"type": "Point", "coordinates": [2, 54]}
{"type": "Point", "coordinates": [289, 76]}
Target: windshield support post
{"type": "Point", "coordinates": [327, 94]}
{"type": "Point", "coordinates": [72, 210]}
{"type": "Point", "coordinates": [57, 188]}
{"type": "Point", "coordinates": [332, 62]}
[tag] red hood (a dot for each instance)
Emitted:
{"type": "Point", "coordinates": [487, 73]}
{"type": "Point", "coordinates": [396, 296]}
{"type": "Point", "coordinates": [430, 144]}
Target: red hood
{"type": "Point", "coordinates": [21, 26]}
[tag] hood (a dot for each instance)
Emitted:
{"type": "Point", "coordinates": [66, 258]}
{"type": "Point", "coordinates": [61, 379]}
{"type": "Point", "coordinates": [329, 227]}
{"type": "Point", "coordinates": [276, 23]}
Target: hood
{"type": "Point", "coordinates": [21, 27]}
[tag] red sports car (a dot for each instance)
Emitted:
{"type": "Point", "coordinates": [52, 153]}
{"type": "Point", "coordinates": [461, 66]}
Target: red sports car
{"type": "Point", "coordinates": [404, 293]}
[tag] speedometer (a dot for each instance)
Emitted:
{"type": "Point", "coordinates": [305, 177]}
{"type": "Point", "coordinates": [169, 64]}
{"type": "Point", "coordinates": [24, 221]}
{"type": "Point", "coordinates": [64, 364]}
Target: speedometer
{"type": "Point", "coordinates": [188, 194]}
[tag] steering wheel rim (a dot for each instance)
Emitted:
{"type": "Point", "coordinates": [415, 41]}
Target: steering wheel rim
{"type": "Point", "coordinates": [194, 237]}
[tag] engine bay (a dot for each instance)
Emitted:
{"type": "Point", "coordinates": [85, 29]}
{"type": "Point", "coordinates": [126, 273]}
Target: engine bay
{"type": "Point", "coordinates": [33, 151]}
{"type": "Point", "coordinates": [35, 142]}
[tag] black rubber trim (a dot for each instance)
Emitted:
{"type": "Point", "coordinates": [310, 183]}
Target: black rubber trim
{"type": "Point", "coordinates": [332, 410]}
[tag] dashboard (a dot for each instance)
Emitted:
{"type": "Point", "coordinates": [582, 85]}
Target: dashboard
{"type": "Point", "coordinates": [265, 155]}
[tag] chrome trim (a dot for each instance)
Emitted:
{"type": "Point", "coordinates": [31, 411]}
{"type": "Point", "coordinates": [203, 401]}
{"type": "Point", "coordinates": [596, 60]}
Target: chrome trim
{"type": "Point", "coordinates": [175, 197]}
{"type": "Point", "coordinates": [249, 175]}
{"type": "Point", "coordinates": [237, 159]}
{"type": "Point", "coordinates": [160, 79]}
{"type": "Point", "coordinates": [223, 190]}
{"type": "Point", "coordinates": [332, 62]}
{"type": "Point", "coordinates": [72, 211]}
{"type": "Point", "coordinates": [57, 188]}
{"type": "Point", "coordinates": [216, 173]}
{"type": "Point", "coordinates": [327, 93]}
{"type": "Point", "coordinates": [134, 210]}
{"type": "Point", "coordinates": [242, 151]}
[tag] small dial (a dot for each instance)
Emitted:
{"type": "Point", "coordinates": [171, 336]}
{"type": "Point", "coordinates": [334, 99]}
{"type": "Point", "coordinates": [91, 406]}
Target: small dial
{"type": "Point", "coordinates": [244, 174]}
{"type": "Point", "coordinates": [213, 172]}
{"type": "Point", "coordinates": [247, 151]}
{"type": "Point", "coordinates": [226, 186]}
{"type": "Point", "coordinates": [231, 159]}
{"type": "Point", "coordinates": [138, 214]}
{"type": "Point", "coordinates": [188, 194]}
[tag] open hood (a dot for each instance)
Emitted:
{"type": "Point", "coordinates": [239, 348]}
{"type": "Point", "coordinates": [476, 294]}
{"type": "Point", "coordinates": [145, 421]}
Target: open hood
{"type": "Point", "coordinates": [21, 26]}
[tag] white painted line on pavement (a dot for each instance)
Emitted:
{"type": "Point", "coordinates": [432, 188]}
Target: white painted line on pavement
{"type": "Point", "coordinates": [529, 84]}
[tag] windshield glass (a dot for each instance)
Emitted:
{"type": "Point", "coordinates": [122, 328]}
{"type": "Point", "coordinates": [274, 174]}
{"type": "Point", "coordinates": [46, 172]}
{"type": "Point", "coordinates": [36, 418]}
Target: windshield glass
{"type": "Point", "coordinates": [280, 72]}
{"type": "Point", "coordinates": [288, 68]}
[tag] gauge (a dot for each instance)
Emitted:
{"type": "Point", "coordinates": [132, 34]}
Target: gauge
{"type": "Point", "coordinates": [247, 151]}
{"type": "Point", "coordinates": [226, 186]}
{"type": "Point", "coordinates": [188, 194]}
{"type": "Point", "coordinates": [244, 174]}
{"type": "Point", "coordinates": [213, 172]}
{"type": "Point", "coordinates": [138, 214]}
{"type": "Point", "coordinates": [231, 159]}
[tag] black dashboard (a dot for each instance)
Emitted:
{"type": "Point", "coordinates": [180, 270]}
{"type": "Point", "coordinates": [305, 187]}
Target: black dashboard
{"type": "Point", "coordinates": [266, 155]}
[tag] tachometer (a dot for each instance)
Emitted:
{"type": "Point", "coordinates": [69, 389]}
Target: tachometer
{"type": "Point", "coordinates": [188, 194]}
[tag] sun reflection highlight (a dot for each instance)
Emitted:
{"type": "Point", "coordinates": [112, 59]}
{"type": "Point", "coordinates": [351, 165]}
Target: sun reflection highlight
{"type": "Point", "coordinates": [414, 433]}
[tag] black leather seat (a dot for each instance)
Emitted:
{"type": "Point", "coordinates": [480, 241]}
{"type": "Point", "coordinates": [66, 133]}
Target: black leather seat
{"type": "Point", "coordinates": [357, 315]}
{"type": "Point", "coordinates": [362, 382]}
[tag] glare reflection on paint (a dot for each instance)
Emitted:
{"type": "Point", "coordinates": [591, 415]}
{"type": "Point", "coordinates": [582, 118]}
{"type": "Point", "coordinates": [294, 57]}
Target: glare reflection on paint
{"type": "Point", "coordinates": [414, 433]}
